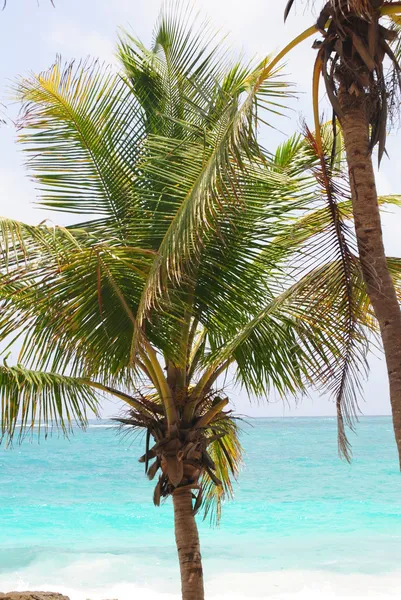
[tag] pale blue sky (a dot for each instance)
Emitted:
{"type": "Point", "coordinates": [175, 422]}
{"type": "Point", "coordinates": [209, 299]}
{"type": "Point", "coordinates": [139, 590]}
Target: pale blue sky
{"type": "Point", "coordinates": [32, 35]}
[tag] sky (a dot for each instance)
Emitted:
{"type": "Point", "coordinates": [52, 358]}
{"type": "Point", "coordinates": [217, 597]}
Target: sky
{"type": "Point", "coordinates": [33, 33]}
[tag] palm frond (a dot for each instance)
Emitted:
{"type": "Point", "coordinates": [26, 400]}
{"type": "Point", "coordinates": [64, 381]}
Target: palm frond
{"type": "Point", "coordinates": [288, 8]}
{"type": "Point", "coordinates": [361, 8]}
{"type": "Point", "coordinates": [341, 244]}
{"type": "Point", "coordinates": [396, 26]}
{"type": "Point", "coordinates": [394, 265]}
{"type": "Point", "coordinates": [82, 133]}
{"type": "Point", "coordinates": [71, 299]}
{"type": "Point", "coordinates": [203, 178]}
{"type": "Point", "coordinates": [179, 80]}
{"type": "Point", "coordinates": [226, 453]}
{"type": "Point", "coordinates": [46, 400]}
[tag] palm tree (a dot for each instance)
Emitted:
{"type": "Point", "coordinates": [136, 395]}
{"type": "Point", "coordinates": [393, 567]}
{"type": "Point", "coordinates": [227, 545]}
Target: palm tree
{"type": "Point", "coordinates": [358, 37]}
{"type": "Point", "coordinates": [179, 269]}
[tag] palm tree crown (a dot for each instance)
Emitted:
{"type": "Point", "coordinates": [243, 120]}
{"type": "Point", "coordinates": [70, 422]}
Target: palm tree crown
{"type": "Point", "coordinates": [351, 54]}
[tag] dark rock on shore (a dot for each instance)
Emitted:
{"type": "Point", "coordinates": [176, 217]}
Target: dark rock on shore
{"type": "Point", "coordinates": [32, 596]}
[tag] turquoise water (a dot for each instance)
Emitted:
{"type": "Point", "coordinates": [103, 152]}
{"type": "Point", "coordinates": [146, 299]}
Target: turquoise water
{"type": "Point", "coordinates": [78, 514]}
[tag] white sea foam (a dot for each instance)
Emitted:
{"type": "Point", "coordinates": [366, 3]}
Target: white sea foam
{"type": "Point", "coordinates": [282, 585]}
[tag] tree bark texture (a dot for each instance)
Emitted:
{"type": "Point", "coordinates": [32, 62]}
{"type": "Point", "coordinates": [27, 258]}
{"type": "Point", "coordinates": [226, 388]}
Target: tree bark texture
{"type": "Point", "coordinates": [187, 540]}
{"type": "Point", "coordinates": [379, 284]}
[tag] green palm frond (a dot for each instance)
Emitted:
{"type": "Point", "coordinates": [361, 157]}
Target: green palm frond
{"type": "Point", "coordinates": [176, 81]}
{"type": "Point", "coordinates": [316, 222]}
{"type": "Point", "coordinates": [82, 133]}
{"type": "Point", "coordinates": [32, 398]}
{"type": "Point", "coordinates": [70, 298]}
{"type": "Point", "coordinates": [394, 265]}
{"type": "Point", "coordinates": [22, 245]}
{"type": "Point", "coordinates": [203, 179]}
{"type": "Point", "coordinates": [226, 453]}
{"type": "Point", "coordinates": [291, 342]}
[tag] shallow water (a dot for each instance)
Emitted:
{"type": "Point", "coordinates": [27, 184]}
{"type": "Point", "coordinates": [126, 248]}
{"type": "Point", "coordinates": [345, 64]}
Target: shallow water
{"type": "Point", "coordinates": [78, 516]}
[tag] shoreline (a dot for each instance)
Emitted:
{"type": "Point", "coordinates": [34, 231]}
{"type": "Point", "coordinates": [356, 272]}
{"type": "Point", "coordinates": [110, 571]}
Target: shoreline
{"type": "Point", "coordinates": [274, 585]}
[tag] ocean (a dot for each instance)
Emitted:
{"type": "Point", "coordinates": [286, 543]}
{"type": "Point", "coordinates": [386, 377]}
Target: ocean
{"type": "Point", "coordinates": [77, 516]}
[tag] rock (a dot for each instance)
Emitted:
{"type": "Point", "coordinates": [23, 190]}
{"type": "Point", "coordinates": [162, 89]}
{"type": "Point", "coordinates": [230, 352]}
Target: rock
{"type": "Point", "coordinates": [32, 596]}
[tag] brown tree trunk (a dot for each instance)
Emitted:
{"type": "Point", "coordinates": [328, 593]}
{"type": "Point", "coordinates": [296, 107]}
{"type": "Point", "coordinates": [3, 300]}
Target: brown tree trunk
{"type": "Point", "coordinates": [187, 540]}
{"type": "Point", "coordinates": [379, 284]}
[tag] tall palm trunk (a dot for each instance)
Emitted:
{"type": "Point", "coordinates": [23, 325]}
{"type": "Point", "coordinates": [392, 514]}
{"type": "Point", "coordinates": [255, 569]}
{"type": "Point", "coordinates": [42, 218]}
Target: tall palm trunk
{"type": "Point", "coordinates": [380, 287]}
{"type": "Point", "coordinates": [187, 540]}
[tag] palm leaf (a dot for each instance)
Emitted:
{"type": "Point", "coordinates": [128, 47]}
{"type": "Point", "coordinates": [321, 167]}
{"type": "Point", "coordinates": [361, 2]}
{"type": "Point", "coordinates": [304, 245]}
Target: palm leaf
{"type": "Point", "coordinates": [226, 454]}
{"type": "Point", "coordinates": [204, 178]}
{"type": "Point", "coordinates": [46, 399]}
{"type": "Point", "coordinates": [82, 132]}
{"type": "Point", "coordinates": [340, 243]}
{"type": "Point", "coordinates": [70, 298]}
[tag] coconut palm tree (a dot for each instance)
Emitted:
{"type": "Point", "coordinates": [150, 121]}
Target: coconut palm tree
{"type": "Point", "coordinates": [357, 38]}
{"type": "Point", "coordinates": [179, 269]}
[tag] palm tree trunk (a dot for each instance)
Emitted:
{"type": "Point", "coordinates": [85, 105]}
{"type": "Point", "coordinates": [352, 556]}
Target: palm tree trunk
{"type": "Point", "coordinates": [187, 540]}
{"type": "Point", "coordinates": [379, 284]}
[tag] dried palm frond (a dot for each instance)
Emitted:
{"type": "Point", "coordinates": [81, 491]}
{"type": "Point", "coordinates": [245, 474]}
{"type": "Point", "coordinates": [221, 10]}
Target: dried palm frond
{"type": "Point", "coordinates": [343, 377]}
{"type": "Point", "coordinates": [352, 55]}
